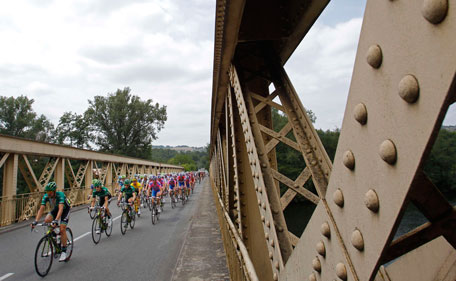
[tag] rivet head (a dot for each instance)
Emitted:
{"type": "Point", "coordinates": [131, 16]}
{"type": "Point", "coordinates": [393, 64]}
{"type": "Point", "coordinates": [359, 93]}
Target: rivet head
{"type": "Point", "coordinates": [312, 277]}
{"type": "Point", "coordinates": [409, 89]}
{"type": "Point", "coordinates": [338, 198]}
{"type": "Point", "coordinates": [388, 152]}
{"type": "Point", "coordinates": [371, 200]}
{"type": "Point", "coordinates": [341, 271]}
{"type": "Point", "coordinates": [434, 11]}
{"type": "Point", "coordinates": [259, 202]}
{"type": "Point", "coordinates": [275, 277]}
{"type": "Point", "coordinates": [271, 242]}
{"type": "Point", "coordinates": [270, 255]}
{"type": "Point", "coordinates": [263, 205]}
{"type": "Point", "coordinates": [325, 230]}
{"type": "Point", "coordinates": [349, 159]}
{"type": "Point", "coordinates": [268, 224]}
{"type": "Point", "coordinates": [374, 56]}
{"type": "Point", "coordinates": [360, 113]}
{"type": "Point", "coordinates": [357, 240]}
{"type": "Point", "coordinates": [276, 265]}
{"type": "Point", "coordinates": [262, 218]}
{"type": "Point", "coordinates": [316, 264]}
{"type": "Point", "coordinates": [266, 235]}
{"type": "Point", "coordinates": [321, 248]}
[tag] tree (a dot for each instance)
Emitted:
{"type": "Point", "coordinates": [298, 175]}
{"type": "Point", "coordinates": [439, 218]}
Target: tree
{"type": "Point", "coordinates": [17, 118]}
{"type": "Point", "coordinates": [73, 129]}
{"type": "Point", "coordinates": [124, 124]}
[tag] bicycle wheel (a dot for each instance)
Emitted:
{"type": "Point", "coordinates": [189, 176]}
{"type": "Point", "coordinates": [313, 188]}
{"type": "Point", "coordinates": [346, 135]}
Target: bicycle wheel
{"type": "Point", "coordinates": [158, 213]}
{"type": "Point", "coordinates": [124, 222]}
{"type": "Point", "coordinates": [183, 199]}
{"type": "Point", "coordinates": [43, 256]}
{"type": "Point", "coordinates": [92, 214]}
{"type": "Point", "coordinates": [153, 215]}
{"type": "Point", "coordinates": [69, 250]}
{"type": "Point", "coordinates": [132, 221]}
{"type": "Point", "coordinates": [149, 204]}
{"type": "Point", "coordinates": [173, 202]}
{"type": "Point", "coordinates": [108, 230]}
{"type": "Point", "coordinates": [96, 227]}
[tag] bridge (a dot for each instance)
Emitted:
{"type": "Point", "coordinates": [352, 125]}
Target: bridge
{"type": "Point", "coordinates": [403, 83]}
{"type": "Point", "coordinates": [402, 86]}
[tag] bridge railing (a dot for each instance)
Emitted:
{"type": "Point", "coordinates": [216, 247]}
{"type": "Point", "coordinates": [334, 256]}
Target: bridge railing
{"type": "Point", "coordinates": [72, 169]}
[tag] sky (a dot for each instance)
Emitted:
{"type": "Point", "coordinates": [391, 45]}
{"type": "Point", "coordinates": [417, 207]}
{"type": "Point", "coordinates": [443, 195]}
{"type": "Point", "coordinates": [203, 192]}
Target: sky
{"type": "Point", "coordinates": [63, 53]}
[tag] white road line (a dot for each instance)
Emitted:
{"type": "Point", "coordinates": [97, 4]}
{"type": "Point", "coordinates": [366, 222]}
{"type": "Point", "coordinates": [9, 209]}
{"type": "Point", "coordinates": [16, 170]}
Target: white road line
{"type": "Point", "coordinates": [6, 276]}
{"type": "Point", "coordinates": [75, 239]}
{"type": "Point", "coordinates": [85, 234]}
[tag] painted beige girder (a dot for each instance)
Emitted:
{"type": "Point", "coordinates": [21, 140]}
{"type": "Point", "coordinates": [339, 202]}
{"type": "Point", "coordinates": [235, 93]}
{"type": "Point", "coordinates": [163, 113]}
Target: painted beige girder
{"type": "Point", "coordinates": [402, 85]}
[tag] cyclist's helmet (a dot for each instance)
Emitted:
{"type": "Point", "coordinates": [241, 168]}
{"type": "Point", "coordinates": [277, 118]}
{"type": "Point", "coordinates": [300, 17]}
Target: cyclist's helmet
{"type": "Point", "coordinates": [134, 179]}
{"type": "Point", "coordinates": [123, 177]}
{"type": "Point", "coordinates": [52, 186]}
{"type": "Point", "coordinates": [127, 182]}
{"type": "Point", "coordinates": [94, 181]}
{"type": "Point", "coordinates": [97, 183]}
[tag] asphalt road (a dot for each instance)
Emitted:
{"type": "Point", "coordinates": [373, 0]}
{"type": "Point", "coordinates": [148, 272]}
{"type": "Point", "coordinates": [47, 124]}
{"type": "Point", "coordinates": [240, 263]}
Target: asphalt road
{"type": "Point", "coordinates": [147, 252]}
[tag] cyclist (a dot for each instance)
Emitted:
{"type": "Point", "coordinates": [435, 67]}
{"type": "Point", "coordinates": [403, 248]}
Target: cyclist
{"type": "Point", "coordinates": [60, 206]}
{"type": "Point", "coordinates": [104, 195]}
{"type": "Point", "coordinates": [155, 189]}
{"type": "Point", "coordinates": [130, 193]}
{"type": "Point", "coordinates": [181, 181]}
{"type": "Point", "coordinates": [171, 185]}
{"type": "Point", "coordinates": [187, 184]}
{"type": "Point", "coordinates": [137, 187]}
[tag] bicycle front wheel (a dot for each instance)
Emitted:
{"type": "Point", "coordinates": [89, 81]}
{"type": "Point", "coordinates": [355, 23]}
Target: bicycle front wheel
{"type": "Point", "coordinates": [153, 216]}
{"type": "Point", "coordinates": [69, 250]}
{"type": "Point", "coordinates": [124, 222]}
{"type": "Point", "coordinates": [96, 230]}
{"type": "Point", "coordinates": [43, 256]}
{"type": "Point", "coordinates": [132, 221]}
{"type": "Point", "coordinates": [108, 230]}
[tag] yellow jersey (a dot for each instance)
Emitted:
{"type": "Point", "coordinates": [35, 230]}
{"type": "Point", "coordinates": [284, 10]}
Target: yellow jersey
{"type": "Point", "coordinates": [137, 186]}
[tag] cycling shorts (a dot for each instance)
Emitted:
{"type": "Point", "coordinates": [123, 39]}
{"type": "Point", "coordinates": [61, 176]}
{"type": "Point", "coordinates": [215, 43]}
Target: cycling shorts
{"type": "Point", "coordinates": [102, 200]}
{"type": "Point", "coordinates": [65, 215]}
{"type": "Point", "coordinates": [171, 187]}
{"type": "Point", "coordinates": [181, 183]}
{"type": "Point", "coordinates": [154, 192]}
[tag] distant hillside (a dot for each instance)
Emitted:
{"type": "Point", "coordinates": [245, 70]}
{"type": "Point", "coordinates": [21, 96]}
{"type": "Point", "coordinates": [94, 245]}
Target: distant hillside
{"type": "Point", "coordinates": [449, 128]}
{"type": "Point", "coordinates": [180, 148]}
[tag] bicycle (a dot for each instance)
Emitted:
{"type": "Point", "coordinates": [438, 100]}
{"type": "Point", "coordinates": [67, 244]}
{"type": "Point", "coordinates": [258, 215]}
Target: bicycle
{"type": "Point", "coordinates": [173, 199]}
{"type": "Point", "coordinates": [128, 217]}
{"type": "Point", "coordinates": [155, 215]}
{"type": "Point", "coordinates": [49, 247]}
{"type": "Point", "coordinates": [92, 212]}
{"type": "Point", "coordinates": [100, 223]}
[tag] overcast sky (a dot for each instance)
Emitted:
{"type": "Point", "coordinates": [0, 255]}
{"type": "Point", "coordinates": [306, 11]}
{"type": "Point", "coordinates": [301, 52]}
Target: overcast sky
{"type": "Point", "coordinates": [63, 53]}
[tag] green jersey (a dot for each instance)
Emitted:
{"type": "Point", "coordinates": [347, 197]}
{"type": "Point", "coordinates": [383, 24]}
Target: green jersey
{"type": "Point", "coordinates": [102, 193]}
{"type": "Point", "coordinates": [128, 191]}
{"type": "Point", "coordinates": [59, 198]}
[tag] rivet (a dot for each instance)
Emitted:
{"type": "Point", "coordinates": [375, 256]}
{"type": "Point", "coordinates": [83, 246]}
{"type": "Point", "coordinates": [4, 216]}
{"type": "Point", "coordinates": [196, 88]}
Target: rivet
{"type": "Point", "coordinates": [341, 271]}
{"type": "Point", "coordinates": [321, 248]}
{"type": "Point", "coordinates": [349, 159]}
{"type": "Point", "coordinates": [266, 235]}
{"type": "Point", "coordinates": [271, 243]}
{"type": "Point", "coordinates": [263, 205]}
{"type": "Point", "coordinates": [338, 198]}
{"type": "Point", "coordinates": [434, 11]}
{"type": "Point", "coordinates": [270, 255]}
{"type": "Point", "coordinates": [360, 113]}
{"type": "Point", "coordinates": [268, 224]}
{"type": "Point", "coordinates": [316, 264]}
{"type": "Point", "coordinates": [259, 202]}
{"type": "Point", "coordinates": [312, 277]}
{"type": "Point", "coordinates": [276, 265]}
{"type": "Point", "coordinates": [264, 165]}
{"type": "Point", "coordinates": [260, 190]}
{"type": "Point", "coordinates": [325, 230]}
{"type": "Point", "coordinates": [357, 240]}
{"type": "Point", "coordinates": [409, 89]}
{"type": "Point", "coordinates": [275, 277]}
{"type": "Point", "coordinates": [262, 218]}
{"type": "Point", "coordinates": [388, 152]}
{"type": "Point", "coordinates": [371, 200]}
{"type": "Point", "coordinates": [374, 56]}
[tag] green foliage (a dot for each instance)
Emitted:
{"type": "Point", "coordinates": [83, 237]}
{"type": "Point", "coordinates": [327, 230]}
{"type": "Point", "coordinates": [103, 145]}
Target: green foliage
{"type": "Point", "coordinates": [440, 167]}
{"type": "Point", "coordinates": [124, 124]}
{"type": "Point", "coordinates": [17, 118]}
{"type": "Point", "coordinates": [191, 161]}
{"type": "Point", "coordinates": [73, 129]}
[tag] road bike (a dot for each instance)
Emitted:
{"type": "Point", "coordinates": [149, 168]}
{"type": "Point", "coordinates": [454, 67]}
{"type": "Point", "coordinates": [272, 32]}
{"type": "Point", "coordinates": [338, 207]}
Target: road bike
{"type": "Point", "coordinates": [92, 212]}
{"type": "Point", "coordinates": [173, 199]}
{"type": "Point", "coordinates": [49, 247]}
{"type": "Point", "coordinates": [128, 217]}
{"type": "Point", "coordinates": [155, 215]}
{"type": "Point", "coordinates": [101, 223]}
